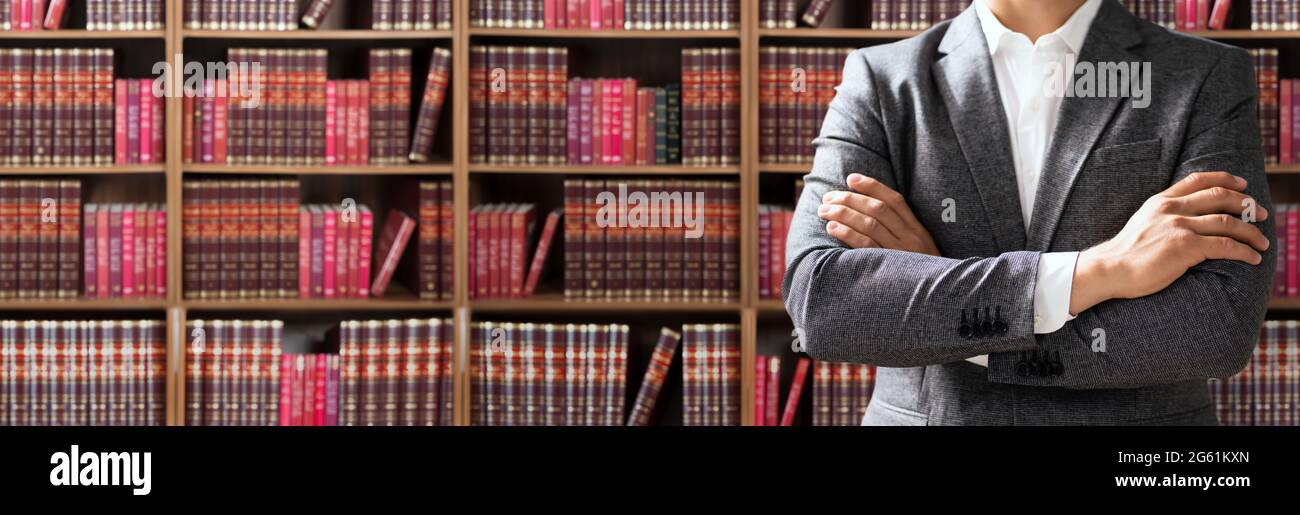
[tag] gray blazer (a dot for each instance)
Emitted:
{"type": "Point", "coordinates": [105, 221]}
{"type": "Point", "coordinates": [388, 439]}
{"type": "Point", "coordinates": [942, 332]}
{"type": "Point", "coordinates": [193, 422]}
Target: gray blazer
{"type": "Point", "coordinates": [924, 116]}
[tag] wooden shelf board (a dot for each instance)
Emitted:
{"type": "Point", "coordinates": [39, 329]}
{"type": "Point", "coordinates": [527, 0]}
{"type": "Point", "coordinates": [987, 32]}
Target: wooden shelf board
{"type": "Point", "coordinates": [836, 33]}
{"type": "Point", "coordinates": [82, 304]}
{"type": "Point", "coordinates": [432, 169]}
{"type": "Point", "coordinates": [603, 34]}
{"type": "Point", "coordinates": [83, 34]}
{"type": "Point", "coordinates": [355, 34]}
{"type": "Point", "coordinates": [82, 170]}
{"type": "Point", "coordinates": [770, 306]}
{"type": "Point", "coordinates": [1284, 303]}
{"type": "Point", "coordinates": [606, 170]}
{"type": "Point", "coordinates": [405, 303]}
{"type": "Point", "coordinates": [798, 168]}
{"type": "Point", "coordinates": [556, 303]}
{"type": "Point", "coordinates": [1282, 169]}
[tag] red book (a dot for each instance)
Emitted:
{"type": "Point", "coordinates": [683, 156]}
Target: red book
{"type": "Point", "coordinates": [101, 251]}
{"type": "Point", "coordinates": [1285, 154]}
{"type": "Point", "coordinates": [365, 237]}
{"type": "Point", "coordinates": [1219, 14]}
{"type": "Point", "coordinates": [119, 125]}
{"type": "Point", "coordinates": [392, 241]}
{"type": "Point", "coordinates": [522, 218]}
{"type": "Point", "coordinates": [89, 231]}
{"type": "Point", "coordinates": [760, 391]}
{"type": "Point", "coordinates": [219, 119]}
{"type": "Point", "coordinates": [1295, 120]}
{"type": "Point", "coordinates": [543, 248]}
{"type": "Point", "coordinates": [160, 253]}
{"type": "Point", "coordinates": [1292, 250]}
{"type": "Point", "coordinates": [796, 391]}
{"type": "Point", "coordinates": [54, 16]}
{"type": "Point", "coordinates": [146, 122]}
{"type": "Point", "coordinates": [478, 253]}
{"type": "Point", "coordinates": [549, 14]}
{"type": "Point", "coordinates": [320, 378]}
{"type": "Point", "coordinates": [627, 119]}
{"type": "Point", "coordinates": [1203, 14]}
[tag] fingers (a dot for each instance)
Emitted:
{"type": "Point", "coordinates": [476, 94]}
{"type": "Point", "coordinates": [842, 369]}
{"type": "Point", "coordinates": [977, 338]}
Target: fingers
{"type": "Point", "coordinates": [861, 223]}
{"type": "Point", "coordinates": [877, 190]}
{"type": "Point", "coordinates": [1221, 247]}
{"type": "Point", "coordinates": [1228, 226]}
{"type": "Point", "coordinates": [1217, 199]}
{"type": "Point", "coordinates": [850, 237]}
{"type": "Point", "coordinates": [1204, 180]}
{"type": "Point", "coordinates": [866, 207]}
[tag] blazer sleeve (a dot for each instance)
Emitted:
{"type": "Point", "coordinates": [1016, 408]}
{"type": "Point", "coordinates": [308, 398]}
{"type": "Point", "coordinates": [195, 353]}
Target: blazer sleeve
{"type": "Point", "coordinates": [888, 307]}
{"type": "Point", "coordinates": [1207, 322]}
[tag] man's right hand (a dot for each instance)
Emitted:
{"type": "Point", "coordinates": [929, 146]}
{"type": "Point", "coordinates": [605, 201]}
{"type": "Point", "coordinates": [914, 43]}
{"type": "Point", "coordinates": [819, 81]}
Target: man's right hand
{"type": "Point", "coordinates": [1196, 219]}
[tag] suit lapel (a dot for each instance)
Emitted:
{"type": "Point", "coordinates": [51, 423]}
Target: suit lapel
{"type": "Point", "coordinates": [1080, 123]}
{"type": "Point", "coordinates": [970, 93]}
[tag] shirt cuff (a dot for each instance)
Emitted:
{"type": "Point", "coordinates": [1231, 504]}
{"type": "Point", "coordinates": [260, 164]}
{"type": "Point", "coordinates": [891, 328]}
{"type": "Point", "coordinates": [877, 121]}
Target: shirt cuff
{"type": "Point", "coordinates": [1052, 290]}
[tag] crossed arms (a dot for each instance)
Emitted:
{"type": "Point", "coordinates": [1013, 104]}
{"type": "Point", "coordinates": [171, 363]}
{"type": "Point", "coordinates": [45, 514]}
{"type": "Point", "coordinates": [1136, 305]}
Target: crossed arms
{"type": "Point", "coordinates": [1181, 290]}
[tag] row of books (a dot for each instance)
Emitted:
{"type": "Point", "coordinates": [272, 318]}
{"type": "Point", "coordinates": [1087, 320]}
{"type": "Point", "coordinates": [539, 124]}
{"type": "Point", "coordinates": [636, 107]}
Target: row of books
{"type": "Point", "coordinates": [501, 234]}
{"type": "Point", "coordinates": [124, 250]}
{"type": "Point", "coordinates": [1286, 229]}
{"type": "Point", "coordinates": [1192, 15]}
{"type": "Point", "coordinates": [138, 125]}
{"type": "Point", "coordinates": [773, 228]}
{"type": "Point", "coordinates": [40, 223]}
{"type": "Point", "coordinates": [83, 373]}
{"type": "Point", "coordinates": [841, 392]}
{"type": "Point", "coordinates": [249, 238]}
{"type": "Point", "coordinates": [1268, 105]}
{"type": "Point", "coordinates": [796, 87]}
{"type": "Point", "coordinates": [618, 123]}
{"type": "Point", "coordinates": [524, 110]}
{"type": "Point", "coordinates": [233, 372]}
{"type": "Point", "coordinates": [241, 14]}
{"type": "Point", "coordinates": [651, 239]}
{"type": "Point", "coordinates": [526, 374]}
{"type": "Point", "coordinates": [767, 391]}
{"type": "Point", "coordinates": [1267, 391]}
{"type": "Point", "coordinates": [309, 389]}
{"type": "Point", "coordinates": [909, 14]}
{"type": "Point", "coordinates": [1270, 14]}
{"type": "Point", "coordinates": [100, 14]}
{"type": "Point", "coordinates": [57, 107]}
{"type": "Point", "coordinates": [396, 372]}
{"type": "Point", "coordinates": [606, 14]}
{"type": "Point", "coordinates": [295, 116]}
{"type": "Point", "coordinates": [710, 375]}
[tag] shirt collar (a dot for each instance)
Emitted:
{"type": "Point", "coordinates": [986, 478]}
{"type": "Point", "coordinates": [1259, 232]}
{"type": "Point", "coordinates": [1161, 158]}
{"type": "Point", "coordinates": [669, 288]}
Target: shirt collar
{"type": "Point", "coordinates": [1072, 32]}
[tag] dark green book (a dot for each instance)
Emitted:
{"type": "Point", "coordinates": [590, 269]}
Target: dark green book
{"type": "Point", "coordinates": [661, 126]}
{"type": "Point", "coordinates": [674, 105]}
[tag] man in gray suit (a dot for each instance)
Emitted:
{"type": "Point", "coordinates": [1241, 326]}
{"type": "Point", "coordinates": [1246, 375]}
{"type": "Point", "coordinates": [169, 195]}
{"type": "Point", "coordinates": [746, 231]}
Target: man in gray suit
{"type": "Point", "coordinates": [1008, 254]}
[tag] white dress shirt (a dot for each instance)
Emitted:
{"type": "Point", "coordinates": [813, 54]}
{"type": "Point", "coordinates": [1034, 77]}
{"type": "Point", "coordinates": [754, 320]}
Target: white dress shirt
{"type": "Point", "coordinates": [1021, 69]}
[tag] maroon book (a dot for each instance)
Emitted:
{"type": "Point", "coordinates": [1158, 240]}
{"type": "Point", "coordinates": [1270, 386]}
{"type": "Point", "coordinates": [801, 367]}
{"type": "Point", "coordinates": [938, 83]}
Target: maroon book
{"type": "Point", "coordinates": [393, 238]}
{"type": "Point", "coordinates": [435, 93]}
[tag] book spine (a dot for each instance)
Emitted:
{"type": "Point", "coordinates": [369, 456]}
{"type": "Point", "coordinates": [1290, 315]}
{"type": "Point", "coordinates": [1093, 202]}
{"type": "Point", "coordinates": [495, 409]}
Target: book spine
{"type": "Point", "coordinates": [69, 230]}
{"type": "Point", "coordinates": [421, 148]}
{"type": "Point", "coordinates": [655, 375]}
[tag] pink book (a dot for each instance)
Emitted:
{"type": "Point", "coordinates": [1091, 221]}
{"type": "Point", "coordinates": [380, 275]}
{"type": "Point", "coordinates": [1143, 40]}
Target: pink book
{"type": "Point", "coordinates": [128, 251]}
{"type": "Point", "coordinates": [36, 14]}
{"type": "Point", "coordinates": [593, 13]}
{"type": "Point", "coordinates": [760, 391]}
{"type": "Point", "coordinates": [362, 135]}
{"type": "Point", "coordinates": [132, 122]}
{"type": "Point", "coordinates": [146, 122]}
{"type": "Point", "coordinates": [331, 124]}
{"type": "Point", "coordinates": [364, 251]}
{"type": "Point", "coordinates": [119, 122]}
{"type": "Point", "coordinates": [332, 390]}
{"type": "Point", "coordinates": [304, 254]}
{"type": "Point", "coordinates": [319, 380]}
{"type": "Point", "coordinates": [548, 14]}
{"type": "Point", "coordinates": [1292, 250]}
{"type": "Point", "coordinates": [1203, 14]}
{"type": "Point", "coordinates": [573, 138]}
{"type": "Point", "coordinates": [773, 390]}
{"type": "Point", "coordinates": [1180, 15]}
{"type": "Point", "coordinates": [330, 259]}
{"type": "Point", "coordinates": [220, 111]}
{"type": "Point", "coordinates": [628, 102]}
{"type": "Point", "coordinates": [343, 238]}
{"type": "Point", "coordinates": [353, 121]}
{"type": "Point", "coordinates": [606, 14]}
{"type": "Point", "coordinates": [353, 258]}
{"type": "Point", "coordinates": [1219, 15]}
{"type": "Point", "coordinates": [618, 14]}
{"type": "Point", "coordinates": [142, 232]}
{"type": "Point", "coordinates": [614, 122]}
{"type": "Point", "coordinates": [54, 18]}
{"type": "Point", "coordinates": [24, 17]}
{"type": "Point", "coordinates": [586, 122]}
{"type": "Point", "coordinates": [160, 255]}
{"type": "Point", "coordinates": [101, 251]}
{"type": "Point", "coordinates": [206, 131]}
{"type": "Point", "coordinates": [299, 381]}
{"type": "Point", "coordinates": [286, 389]}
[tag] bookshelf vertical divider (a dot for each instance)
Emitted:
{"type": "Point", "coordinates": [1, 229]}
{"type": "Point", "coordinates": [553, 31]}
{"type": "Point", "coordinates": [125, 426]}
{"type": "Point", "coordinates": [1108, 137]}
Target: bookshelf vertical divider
{"type": "Point", "coordinates": [175, 313]}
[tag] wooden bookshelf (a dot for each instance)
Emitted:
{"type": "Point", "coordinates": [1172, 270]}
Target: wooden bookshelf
{"type": "Point", "coordinates": [763, 322]}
